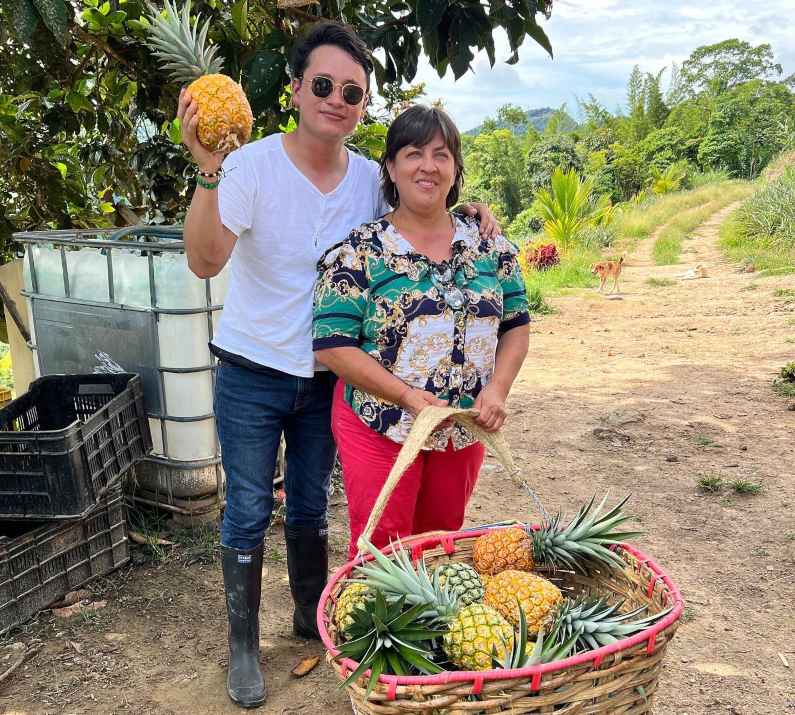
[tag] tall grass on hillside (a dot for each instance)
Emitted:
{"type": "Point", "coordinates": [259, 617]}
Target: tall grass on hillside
{"type": "Point", "coordinates": [762, 230]}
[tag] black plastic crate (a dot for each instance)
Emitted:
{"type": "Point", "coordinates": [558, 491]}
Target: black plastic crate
{"type": "Point", "coordinates": [41, 563]}
{"type": "Point", "coordinates": [66, 441]}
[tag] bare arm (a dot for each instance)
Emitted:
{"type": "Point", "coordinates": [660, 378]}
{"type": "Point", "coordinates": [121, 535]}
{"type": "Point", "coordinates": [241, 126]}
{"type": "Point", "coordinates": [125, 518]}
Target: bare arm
{"type": "Point", "coordinates": [511, 351]}
{"type": "Point", "coordinates": [358, 368]}
{"type": "Point", "coordinates": [208, 243]}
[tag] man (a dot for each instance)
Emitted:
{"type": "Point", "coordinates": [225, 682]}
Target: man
{"type": "Point", "coordinates": [276, 207]}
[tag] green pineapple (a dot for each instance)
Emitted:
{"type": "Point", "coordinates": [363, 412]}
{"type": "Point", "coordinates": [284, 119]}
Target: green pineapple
{"type": "Point", "coordinates": [462, 581]}
{"type": "Point", "coordinates": [387, 637]}
{"type": "Point", "coordinates": [595, 623]}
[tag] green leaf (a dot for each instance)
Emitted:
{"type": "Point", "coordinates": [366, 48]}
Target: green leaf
{"type": "Point", "coordinates": [23, 18]}
{"type": "Point", "coordinates": [56, 18]}
{"type": "Point", "coordinates": [175, 131]}
{"type": "Point", "coordinates": [106, 207]}
{"type": "Point", "coordinates": [266, 77]}
{"type": "Point", "coordinates": [61, 168]}
{"type": "Point", "coordinates": [429, 15]}
{"type": "Point", "coordinates": [104, 9]}
{"type": "Point", "coordinates": [538, 34]}
{"type": "Point", "coordinates": [240, 19]}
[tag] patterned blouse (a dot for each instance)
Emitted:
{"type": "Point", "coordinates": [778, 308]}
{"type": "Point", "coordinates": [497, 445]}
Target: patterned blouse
{"type": "Point", "coordinates": [433, 325]}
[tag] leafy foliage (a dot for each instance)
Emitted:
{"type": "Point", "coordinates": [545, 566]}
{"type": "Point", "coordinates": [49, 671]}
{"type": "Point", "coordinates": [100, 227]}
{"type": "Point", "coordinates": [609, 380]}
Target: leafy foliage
{"type": "Point", "coordinates": [87, 121]}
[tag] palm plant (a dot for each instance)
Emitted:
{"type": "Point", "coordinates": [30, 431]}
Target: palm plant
{"type": "Point", "coordinates": [667, 181]}
{"type": "Point", "coordinates": [567, 207]}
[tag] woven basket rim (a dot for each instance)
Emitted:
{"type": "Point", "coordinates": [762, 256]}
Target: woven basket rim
{"type": "Point", "coordinates": [421, 542]}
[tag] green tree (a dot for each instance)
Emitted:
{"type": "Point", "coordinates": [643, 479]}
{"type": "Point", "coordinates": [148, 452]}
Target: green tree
{"type": "Point", "coordinates": [546, 155]}
{"type": "Point", "coordinates": [494, 170]}
{"type": "Point", "coordinates": [86, 114]}
{"type": "Point", "coordinates": [750, 124]}
{"type": "Point", "coordinates": [636, 104]}
{"type": "Point", "coordinates": [655, 109]}
{"type": "Point", "coordinates": [719, 67]}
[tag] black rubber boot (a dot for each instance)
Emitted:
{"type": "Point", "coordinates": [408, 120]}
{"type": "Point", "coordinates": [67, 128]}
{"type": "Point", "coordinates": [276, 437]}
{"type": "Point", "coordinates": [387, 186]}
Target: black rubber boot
{"type": "Point", "coordinates": [307, 566]}
{"type": "Point", "coordinates": [243, 584]}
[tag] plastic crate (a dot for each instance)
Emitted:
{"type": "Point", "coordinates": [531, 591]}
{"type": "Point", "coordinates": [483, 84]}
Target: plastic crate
{"type": "Point", "coordinates": [40, 564]}
{"type": "Point", "coordinates": [66, 441]}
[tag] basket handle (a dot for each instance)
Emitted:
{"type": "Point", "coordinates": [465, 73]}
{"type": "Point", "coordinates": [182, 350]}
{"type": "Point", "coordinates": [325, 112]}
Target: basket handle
{"type": "Point", "coordinates": [424, 424]}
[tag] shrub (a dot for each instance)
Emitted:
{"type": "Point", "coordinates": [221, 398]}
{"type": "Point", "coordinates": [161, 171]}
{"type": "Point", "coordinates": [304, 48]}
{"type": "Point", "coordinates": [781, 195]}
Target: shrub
{"type": "Point", "coordinates": [525, 224]}
{"type": "Point", "coordinates": [768, 216]}
{"type": "Point", "coordinates": [541, 257]}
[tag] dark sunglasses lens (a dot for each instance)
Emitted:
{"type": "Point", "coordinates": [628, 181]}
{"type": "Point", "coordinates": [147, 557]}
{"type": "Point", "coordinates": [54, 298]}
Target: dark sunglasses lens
{"type": "Point", "coordinates": [322, 87]}
{"type": "Point", "coordinates": [352, 94]}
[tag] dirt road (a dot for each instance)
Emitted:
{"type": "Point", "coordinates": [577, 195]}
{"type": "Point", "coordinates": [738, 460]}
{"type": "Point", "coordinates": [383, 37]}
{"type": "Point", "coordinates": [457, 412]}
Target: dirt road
{"type": "Point", "coordinates": [678, 378]}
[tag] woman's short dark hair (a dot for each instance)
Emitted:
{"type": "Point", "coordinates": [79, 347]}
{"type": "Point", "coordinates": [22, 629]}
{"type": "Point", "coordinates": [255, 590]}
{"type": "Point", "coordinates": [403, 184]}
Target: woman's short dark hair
{"type": "Point", "coordinates": [417, 126]}
{"type": "Point", "coordinates": [333, 33]}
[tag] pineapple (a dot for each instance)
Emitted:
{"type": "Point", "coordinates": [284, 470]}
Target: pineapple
{"type": "Point", "coordinates": [511, 592]}
{"type": "Point", "coordinates": [355, 595]}
{"type": "Point", "coordinates": [225, 117]}
{"type": "Point", "coordinates": [462, 581]}
{"type": "Point", "coordinates": [387, 637]}
{"type": "Point", "coordinates": [594, 623]}
{"type": "Point", "coordinates": [581, 544]}
{"type": "Point", "coordinates": [502, 549]}
{"type": "Point", "coordinates": [472, 633]}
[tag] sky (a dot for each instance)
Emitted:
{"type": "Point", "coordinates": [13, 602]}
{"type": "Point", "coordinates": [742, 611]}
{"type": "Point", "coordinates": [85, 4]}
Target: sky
{"type": "Point", "coordinates": [596, 44]}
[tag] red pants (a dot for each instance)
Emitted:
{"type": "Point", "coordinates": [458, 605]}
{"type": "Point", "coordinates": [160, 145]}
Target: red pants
{"type": "Point", "coordinates": [432, 494]}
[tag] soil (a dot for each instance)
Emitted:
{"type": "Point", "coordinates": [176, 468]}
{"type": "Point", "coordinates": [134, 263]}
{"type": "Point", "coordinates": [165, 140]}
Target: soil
{"type": "Point", "coordinates": [644, 394]}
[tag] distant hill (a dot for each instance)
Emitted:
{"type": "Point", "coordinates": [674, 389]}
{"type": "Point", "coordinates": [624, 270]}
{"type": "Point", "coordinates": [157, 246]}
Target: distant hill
{"type": "Point", "coordinates": [537, 117]}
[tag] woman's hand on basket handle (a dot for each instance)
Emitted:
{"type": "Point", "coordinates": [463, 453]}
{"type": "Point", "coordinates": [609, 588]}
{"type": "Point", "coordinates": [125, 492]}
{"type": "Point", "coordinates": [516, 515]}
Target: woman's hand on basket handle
{"type": "Point", "coordinates": [415, 401]}
{"type": "Point", "coordinates": [490, 404]}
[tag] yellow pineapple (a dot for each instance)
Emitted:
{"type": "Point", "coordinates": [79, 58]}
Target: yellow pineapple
{"type": "Point", "coordinates": [225, 117]}
{"type": "Point", "coordinates": [476, 635]}
{"type": "Point", "coordinates": [584, 543]}
{"type": "Point", "coordinates": [537, 596]}
{"type": "Point", "coordinates": [353, 596]}
{"type": "Point", "coordinates": [502, 549]}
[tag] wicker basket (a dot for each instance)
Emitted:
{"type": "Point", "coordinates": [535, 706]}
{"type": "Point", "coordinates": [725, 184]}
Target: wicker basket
{"type": "Point", "coordinates": [617, 679]}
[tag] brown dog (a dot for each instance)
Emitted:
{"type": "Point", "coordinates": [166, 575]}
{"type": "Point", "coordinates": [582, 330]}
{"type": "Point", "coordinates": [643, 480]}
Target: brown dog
{"type": "Point", "coordinates": [606, 270]}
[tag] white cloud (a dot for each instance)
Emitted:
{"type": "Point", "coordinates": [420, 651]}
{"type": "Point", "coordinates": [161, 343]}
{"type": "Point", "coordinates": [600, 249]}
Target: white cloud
{"type": "Point", "coordinates": [596, 44]}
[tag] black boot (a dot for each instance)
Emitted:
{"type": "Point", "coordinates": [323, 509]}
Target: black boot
{"type": "Point", "coordinates": [243, 584]}
{"type": "Point", "coordinates": [307, 566]}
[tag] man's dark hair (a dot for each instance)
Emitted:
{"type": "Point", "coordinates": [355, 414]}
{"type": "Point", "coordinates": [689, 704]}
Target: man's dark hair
{"type": "Point", "coordinates": [328, 32]}
{"type": "Point", "coordinates": [417, 126]}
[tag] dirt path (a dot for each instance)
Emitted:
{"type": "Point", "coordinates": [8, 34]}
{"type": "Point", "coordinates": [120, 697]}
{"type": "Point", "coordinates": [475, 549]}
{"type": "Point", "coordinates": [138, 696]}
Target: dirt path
{"type": "Point", "coordinates": [680, 377]}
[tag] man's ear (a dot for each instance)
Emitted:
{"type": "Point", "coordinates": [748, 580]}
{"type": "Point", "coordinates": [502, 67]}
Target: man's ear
{"type": "Point", "coordinates": [295, 86]}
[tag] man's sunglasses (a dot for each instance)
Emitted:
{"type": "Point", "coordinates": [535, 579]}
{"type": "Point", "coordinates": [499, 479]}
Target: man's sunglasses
{"type": "Point", "coordinates": [323, 87]}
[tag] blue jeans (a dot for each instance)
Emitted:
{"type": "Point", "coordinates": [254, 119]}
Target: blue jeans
{"type": "Point", "coordinates": [252, 409]}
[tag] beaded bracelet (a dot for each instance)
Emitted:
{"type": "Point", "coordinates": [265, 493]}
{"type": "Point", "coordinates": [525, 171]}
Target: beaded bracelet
{"type": "Point", "coordinates": [210, 174]}
{"type": "Point", "coordinates": [207, 184]}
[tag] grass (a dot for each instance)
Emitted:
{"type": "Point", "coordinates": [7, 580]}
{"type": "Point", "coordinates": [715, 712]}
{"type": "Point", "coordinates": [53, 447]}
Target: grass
{"type": "Point", "coordinates": [762, 231]}
{"type": "Point", "coordinates": [668, 245]}
{"type": "Point", "coordinates": [788, 294]}
{"type": "Point", "coordinates": [710, 483]}
{"type": "Point", "coordinates": [660, 282]}
{"type": "Point", "coordinates": [573, 271]}
{"type": "Point", "coordinates": [784, 384]}
{"type": "Point", "coordinates": [703, 441]}
{"type": "Point", "coordinates": [743, 486]}
{"type": "Point", "coordinates": [635, 223]}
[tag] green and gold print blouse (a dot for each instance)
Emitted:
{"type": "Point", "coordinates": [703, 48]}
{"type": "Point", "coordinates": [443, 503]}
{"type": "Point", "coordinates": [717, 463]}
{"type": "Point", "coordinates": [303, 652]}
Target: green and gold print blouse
{"type": "Point", "coordinates": [433, 325]}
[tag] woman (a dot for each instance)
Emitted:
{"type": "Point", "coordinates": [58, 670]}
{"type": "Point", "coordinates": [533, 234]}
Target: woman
{"type": "Point", "coordinates": [415, 310]}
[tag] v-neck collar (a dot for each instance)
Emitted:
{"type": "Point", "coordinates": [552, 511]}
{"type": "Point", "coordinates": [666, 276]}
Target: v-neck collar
{"type": "Point", "coordinates": [308, 181]}
{"type": "Point", "coordinates": [399, 245]}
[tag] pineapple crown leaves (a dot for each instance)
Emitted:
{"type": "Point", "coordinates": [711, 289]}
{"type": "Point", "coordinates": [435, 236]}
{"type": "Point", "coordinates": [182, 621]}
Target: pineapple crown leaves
{"type": "Point", "coordinates": [597, 623]}
{"type": "Point", "coordinates": [397, 576]}
{"type": "Point", "coordinates": [386, 637]}
{"type": "Point", "coordinates": [546, 649]}
{"type": "Point", "coordinates": [180, 44]}
{"type": "Point", "coordinates": [586, 539]}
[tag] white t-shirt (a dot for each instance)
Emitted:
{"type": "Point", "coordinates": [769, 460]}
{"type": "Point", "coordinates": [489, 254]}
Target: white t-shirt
{"type": "Point", "coordinates": [284, 224]}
